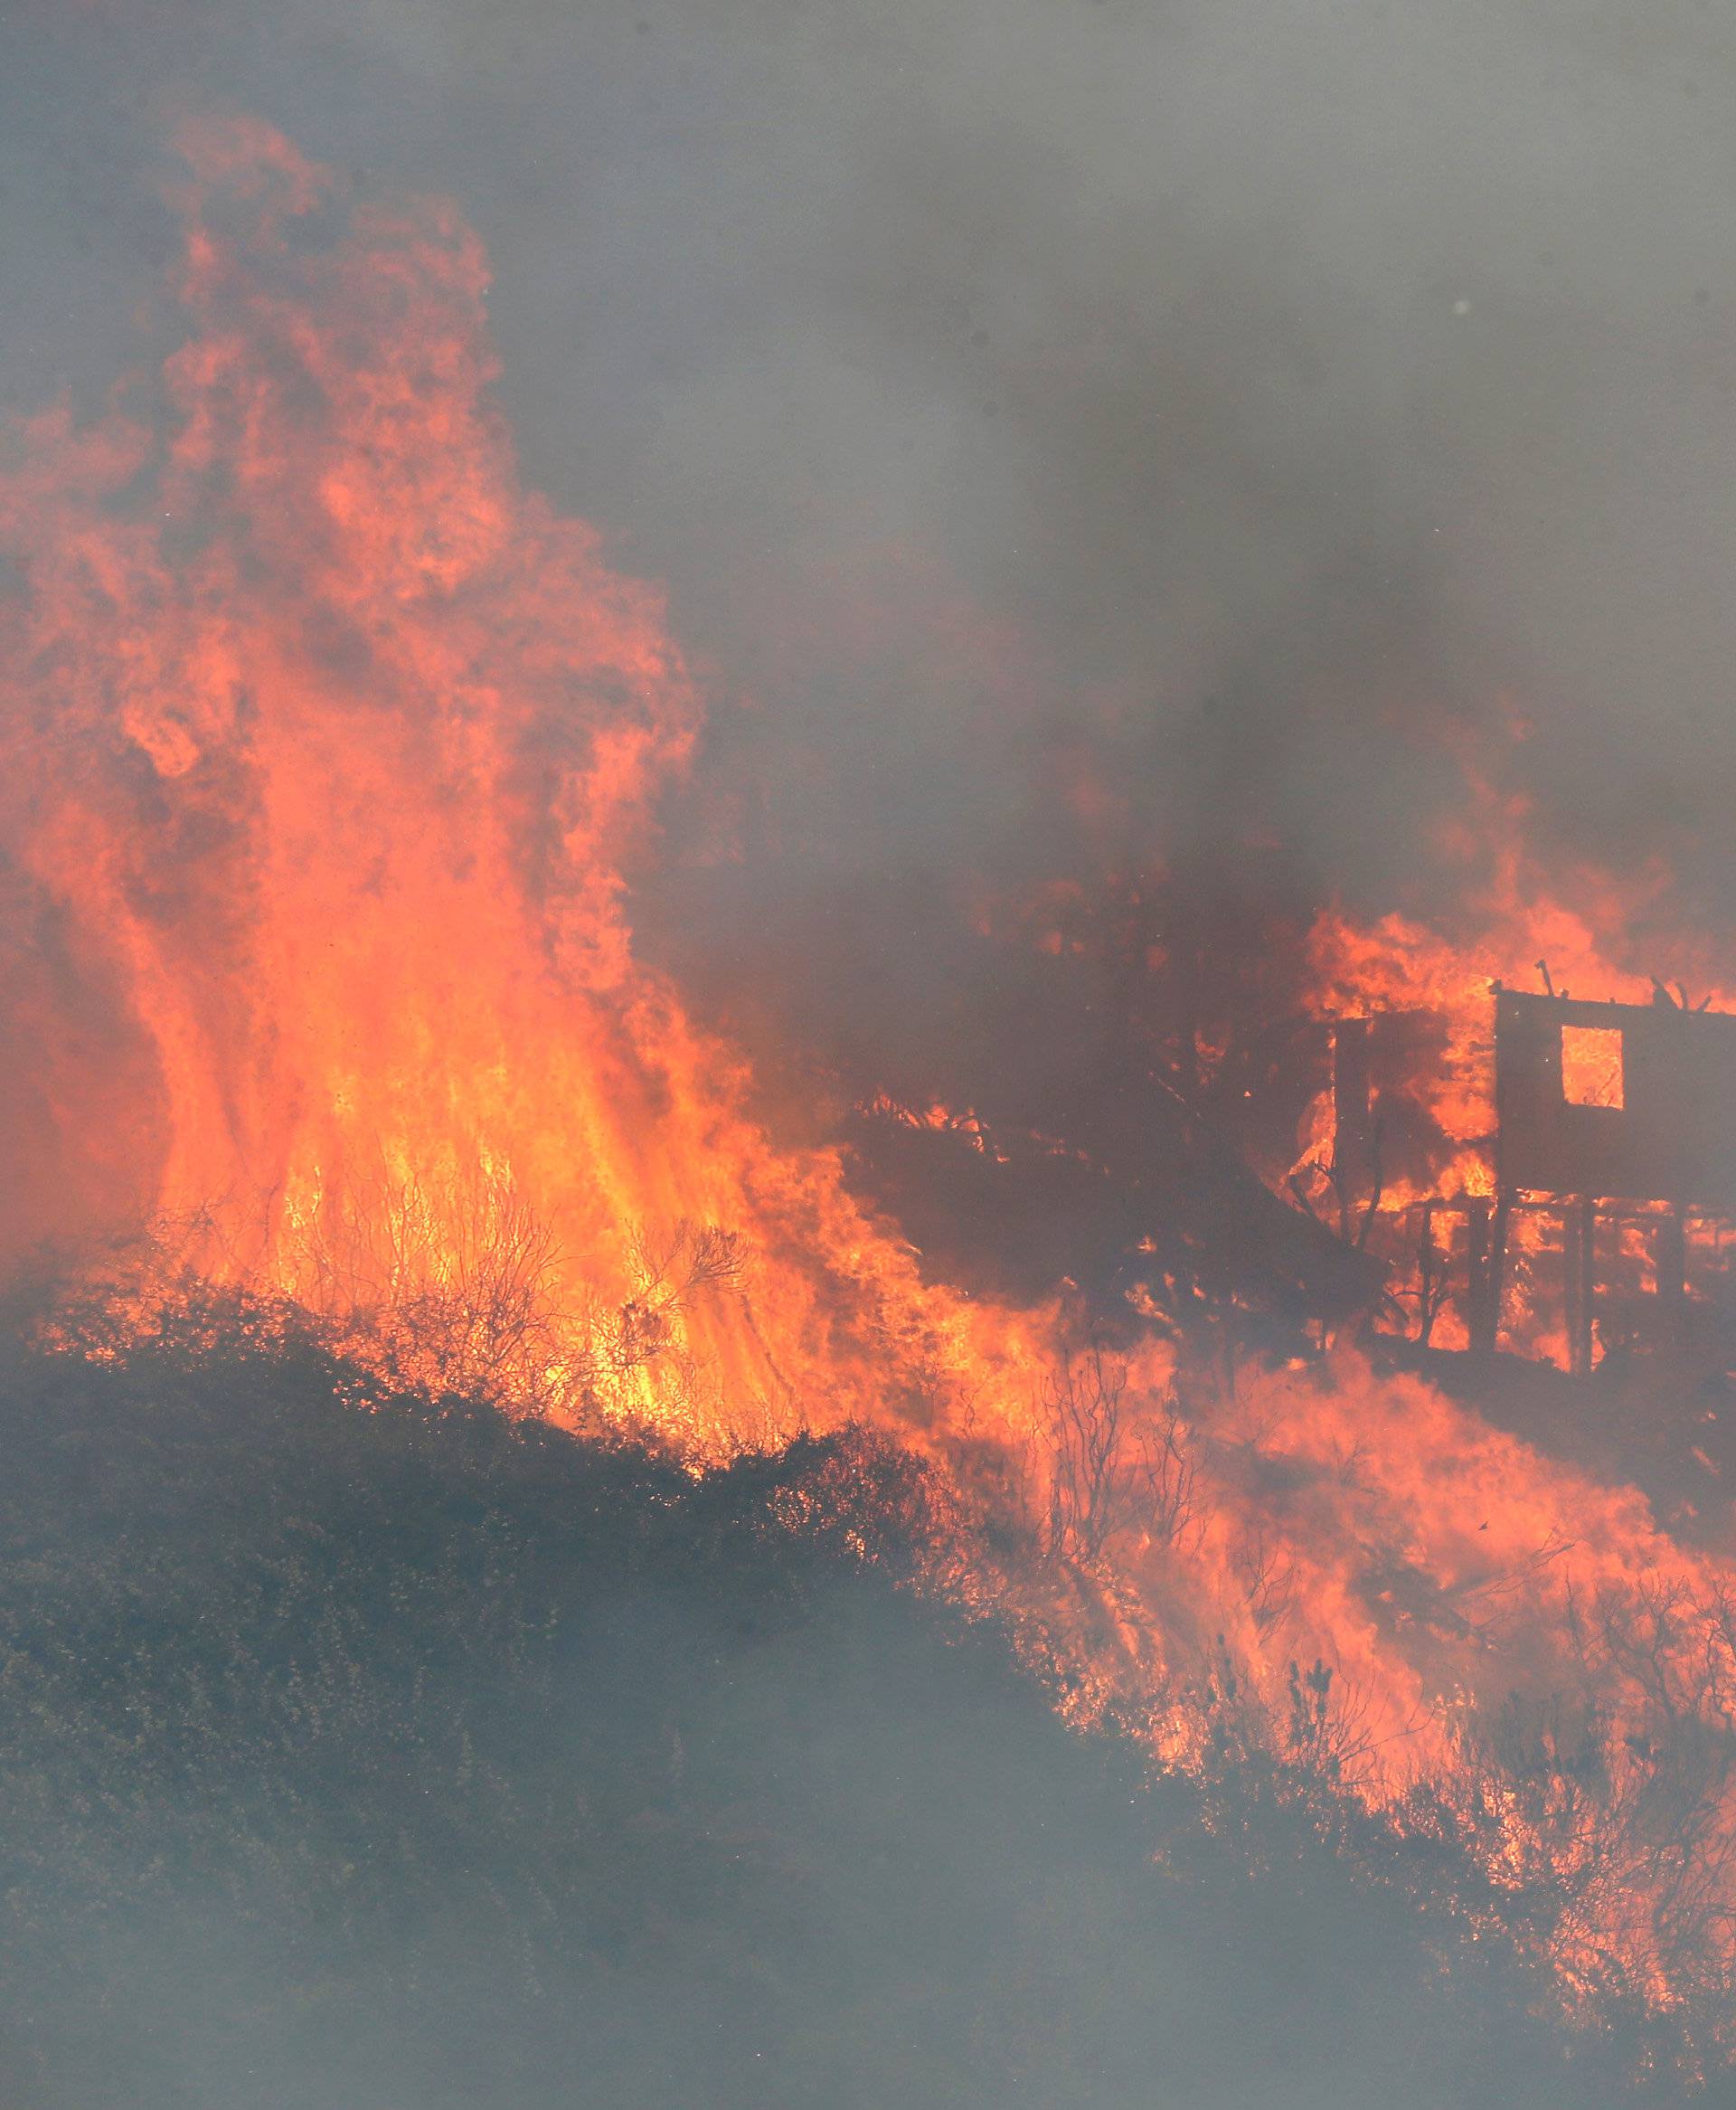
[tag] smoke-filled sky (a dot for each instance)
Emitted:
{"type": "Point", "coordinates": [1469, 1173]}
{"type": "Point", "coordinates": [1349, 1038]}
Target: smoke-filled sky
{"type": "Point", "coordinates": [1070, 432]}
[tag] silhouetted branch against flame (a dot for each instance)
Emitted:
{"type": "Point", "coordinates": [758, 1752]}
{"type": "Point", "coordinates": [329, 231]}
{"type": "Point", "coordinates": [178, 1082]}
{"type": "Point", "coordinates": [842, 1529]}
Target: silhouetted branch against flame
{"type": "Point", "coordinates": [687, 1258]}
{"type": "Point", "coordinates": [1511, 1579]}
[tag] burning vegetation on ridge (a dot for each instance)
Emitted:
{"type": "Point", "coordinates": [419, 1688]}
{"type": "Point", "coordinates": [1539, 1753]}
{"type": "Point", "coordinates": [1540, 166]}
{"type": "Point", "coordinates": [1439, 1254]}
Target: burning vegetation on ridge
{"type": "Point", "coordinates": [330, 749]}
{"type": "Point", "coordinates": [365, 1750]}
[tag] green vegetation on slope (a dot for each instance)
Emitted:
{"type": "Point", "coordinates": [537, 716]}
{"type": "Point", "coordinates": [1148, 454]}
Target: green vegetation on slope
{"type": "Point", "coordinates": [358, 1754]}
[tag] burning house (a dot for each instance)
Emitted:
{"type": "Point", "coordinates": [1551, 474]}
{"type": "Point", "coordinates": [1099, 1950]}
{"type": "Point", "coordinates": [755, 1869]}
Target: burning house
{"type": "Point", "coordinates": [1610, 1175]}
{"type": "Point", "coordinates": [1542, 1174]}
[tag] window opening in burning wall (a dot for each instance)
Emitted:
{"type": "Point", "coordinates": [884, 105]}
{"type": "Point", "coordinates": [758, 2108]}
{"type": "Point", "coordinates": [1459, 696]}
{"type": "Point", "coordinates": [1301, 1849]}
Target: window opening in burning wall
{"type": "Point", "coordinates": [1591, 1073]}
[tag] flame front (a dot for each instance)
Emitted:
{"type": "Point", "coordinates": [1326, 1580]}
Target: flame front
{"type": "Point", "coordinates": [329, 740]}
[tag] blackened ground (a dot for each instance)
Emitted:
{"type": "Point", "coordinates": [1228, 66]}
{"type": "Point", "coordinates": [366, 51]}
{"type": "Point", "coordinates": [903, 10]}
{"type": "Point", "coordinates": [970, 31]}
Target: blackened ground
{"type": "Point", "coordinates": [357, 1753]}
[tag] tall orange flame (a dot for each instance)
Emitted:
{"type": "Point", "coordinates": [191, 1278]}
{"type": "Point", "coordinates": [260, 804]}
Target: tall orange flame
{"type": "Point", "coordinates": [331, 739]}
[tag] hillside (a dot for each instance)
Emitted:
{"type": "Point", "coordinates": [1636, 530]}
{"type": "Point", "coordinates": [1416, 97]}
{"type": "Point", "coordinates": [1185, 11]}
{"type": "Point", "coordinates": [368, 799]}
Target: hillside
{"type": "Point", "coordinates": [360, 1751]}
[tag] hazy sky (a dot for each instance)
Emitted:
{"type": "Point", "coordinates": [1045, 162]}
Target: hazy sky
{"type": "Point", "coordinates": [1067, 429]}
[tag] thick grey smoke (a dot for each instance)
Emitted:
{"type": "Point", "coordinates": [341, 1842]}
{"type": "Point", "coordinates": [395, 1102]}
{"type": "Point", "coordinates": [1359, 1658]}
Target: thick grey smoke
{"type": "Point", "coordinates": [1072, 431]}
